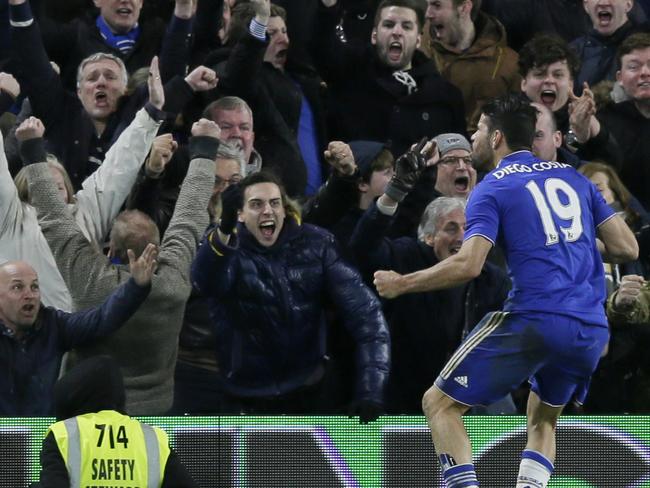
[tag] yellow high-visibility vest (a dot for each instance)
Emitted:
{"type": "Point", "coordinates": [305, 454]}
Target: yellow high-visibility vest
{"type": "Point", "coordinates": [108, 449]}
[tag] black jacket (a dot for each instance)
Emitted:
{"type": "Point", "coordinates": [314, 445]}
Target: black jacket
{"type": "Point", "coordinates": [631, 130]}
{"type": "Point", "coordinates": [68, 44]}
{"type": "Point", "coordinates": [276, 100]}
{"type": "Point", "coordinates": [525, 18]}
{"type": "Point", "coordinates": [425, 327]}
{"type": "Point", "coordinates": [69, 132]}
{"type": "Point", "coordinates": [367, 103]}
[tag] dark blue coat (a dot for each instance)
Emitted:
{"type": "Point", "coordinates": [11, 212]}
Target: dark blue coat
{"type": "Point", "coordinates": [425, 327]}
{"type": "Point", "coordinates": [268, 309]}
{"type": "Point", "coordinates": [597, 55]}
{"type": "Point", "coordinates": [29, 367]}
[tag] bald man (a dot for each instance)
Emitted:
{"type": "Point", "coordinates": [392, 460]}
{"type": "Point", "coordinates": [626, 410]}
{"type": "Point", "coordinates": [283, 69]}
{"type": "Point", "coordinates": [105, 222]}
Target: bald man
{"type": "Point", "coordinates": [547, 144]}
{"type": "Point", "coordinates": [33, 338]}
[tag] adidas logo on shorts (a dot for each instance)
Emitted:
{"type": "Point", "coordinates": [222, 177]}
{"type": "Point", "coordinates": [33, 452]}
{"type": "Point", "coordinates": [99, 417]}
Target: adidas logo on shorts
{"type": "Point", "coordinates": [462, 381]}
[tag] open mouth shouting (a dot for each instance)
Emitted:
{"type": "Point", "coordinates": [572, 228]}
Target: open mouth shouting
{"type": "Point", "coordinates": [101, 99]}
{"type": "Point", "coordinates": [281, 56]}
{"type": "Point", "coordinates": [124, 12]}
{"type": "Point", "coordinates": [395, 50]}
{"type": "Point", "coordinates": [267, 229]}
{"type": "Point", "coordinates": [29, 309]}
{"type": "Point", "coordinates": [461, 184]}
{"type": "Point", "coordinates": [548, 98]}
{"type": "Point", "coordinates": [604, 16]}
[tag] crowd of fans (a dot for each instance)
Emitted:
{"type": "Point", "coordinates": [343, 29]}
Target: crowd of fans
{"type": "Point", "coordinates": [258, 157]}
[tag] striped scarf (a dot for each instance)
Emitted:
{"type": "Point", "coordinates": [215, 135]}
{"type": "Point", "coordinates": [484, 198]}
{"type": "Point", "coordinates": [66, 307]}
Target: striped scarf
{"type": "Point", "coordinates": [122, 42]}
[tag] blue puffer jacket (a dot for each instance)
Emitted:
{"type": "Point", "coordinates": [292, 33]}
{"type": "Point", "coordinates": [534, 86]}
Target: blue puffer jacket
{"type": "Point", "coordinates": [268, 309]}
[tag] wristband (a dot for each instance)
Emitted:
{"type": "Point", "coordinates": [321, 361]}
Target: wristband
{"type": "Point", "coordinates": [203, 147]}
{"type": "Point", "coordinates": [33, 151]}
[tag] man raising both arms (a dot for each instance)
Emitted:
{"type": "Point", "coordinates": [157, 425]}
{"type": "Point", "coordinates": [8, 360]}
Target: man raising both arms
{"type": "Point", "coordinates": [547, 218]}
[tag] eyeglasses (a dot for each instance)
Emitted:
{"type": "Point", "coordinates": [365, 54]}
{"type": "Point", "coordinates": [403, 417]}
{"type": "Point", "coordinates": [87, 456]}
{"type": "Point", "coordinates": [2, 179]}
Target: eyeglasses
{"type": "Point", "coordinates": [233, 180]}
{"type": "Point", "coordinates": [455, 161]}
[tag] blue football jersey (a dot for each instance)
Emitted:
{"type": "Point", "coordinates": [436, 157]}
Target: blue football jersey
{"type": "Point", "coordinates": [544, 216]}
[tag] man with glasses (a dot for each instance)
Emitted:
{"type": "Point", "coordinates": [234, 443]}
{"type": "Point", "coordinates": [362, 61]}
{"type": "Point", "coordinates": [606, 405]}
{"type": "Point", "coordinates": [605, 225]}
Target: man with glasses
{"type": "Point", "coordinates": [455, 175]}
{"type": "Point", "coordinates": [426, 327]}
{"type": "Point", "coordinates": [445, 175]}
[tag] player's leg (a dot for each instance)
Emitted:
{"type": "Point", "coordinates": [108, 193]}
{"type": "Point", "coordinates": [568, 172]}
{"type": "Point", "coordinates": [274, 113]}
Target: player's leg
{"type": "Point", "coordinates": [573, 352]}
{"type": "Point", "coordinates": [444, 416]}
{"type": "Point", "coordinates": [478, 373]}
{"type": "Point", "coordinates": [537, 459]}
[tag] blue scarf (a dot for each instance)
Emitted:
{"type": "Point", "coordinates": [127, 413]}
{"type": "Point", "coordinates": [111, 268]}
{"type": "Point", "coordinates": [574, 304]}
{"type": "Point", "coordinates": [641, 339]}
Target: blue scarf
{"type": "Point", "coordinates": [122, 42]}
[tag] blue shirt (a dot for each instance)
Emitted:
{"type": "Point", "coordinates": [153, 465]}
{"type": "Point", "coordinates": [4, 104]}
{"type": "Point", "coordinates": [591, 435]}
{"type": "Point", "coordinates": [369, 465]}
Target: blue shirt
{"type": "Point", "coordinates": [308, 143]}
{"type": "Point", "coordinates": [544, 216]}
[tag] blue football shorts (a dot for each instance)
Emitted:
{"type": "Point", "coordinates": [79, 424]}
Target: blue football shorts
{"type": "Point", "coordinates": [556, 353]}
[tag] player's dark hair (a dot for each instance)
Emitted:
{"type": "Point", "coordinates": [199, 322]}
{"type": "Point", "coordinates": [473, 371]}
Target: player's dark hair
{"type": "Point", "coordinates": [514, 117]}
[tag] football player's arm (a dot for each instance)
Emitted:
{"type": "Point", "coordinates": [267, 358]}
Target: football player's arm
{"type": "Point", "coordinates": [453, 271]}
{"type": "Point", "coordinates": [618, 242]}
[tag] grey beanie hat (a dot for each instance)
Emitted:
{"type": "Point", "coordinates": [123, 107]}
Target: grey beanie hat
{"type": "Point", "coordinates": [451, 141]}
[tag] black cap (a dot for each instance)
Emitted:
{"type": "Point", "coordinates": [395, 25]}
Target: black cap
{"type": "Point", "coordinates": [365, 153]}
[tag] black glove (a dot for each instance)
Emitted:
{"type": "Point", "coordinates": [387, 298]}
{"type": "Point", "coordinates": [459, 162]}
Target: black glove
{"type": "Point", "coordinates": [366, 410]}
{"type": "Point", "coordinates": [231, 200]}
{"type": "Point", "coordinates": [407, 171]}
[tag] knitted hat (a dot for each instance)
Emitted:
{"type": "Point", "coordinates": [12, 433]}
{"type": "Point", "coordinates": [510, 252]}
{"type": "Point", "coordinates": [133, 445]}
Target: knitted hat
{"type": "Point", "coordinates": [365, 153]}
{"type": "Point", "coordinates": [449, 142]}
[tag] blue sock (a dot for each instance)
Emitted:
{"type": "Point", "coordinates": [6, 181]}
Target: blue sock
{"type": "Point", "coordinates": [457, 475]}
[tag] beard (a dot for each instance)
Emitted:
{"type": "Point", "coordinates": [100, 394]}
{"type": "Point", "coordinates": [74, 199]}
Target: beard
{"type": "Point", "coordinates": [483, 158]}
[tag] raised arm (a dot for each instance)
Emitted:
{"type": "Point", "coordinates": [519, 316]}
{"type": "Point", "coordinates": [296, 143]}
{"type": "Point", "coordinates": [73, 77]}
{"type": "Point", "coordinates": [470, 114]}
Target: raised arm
{"type": "Point", "coordinates": [213, 255]}
{"type": "Point", "coordinates": [207, 28]}
{"type": "Point", "coordinates": [175, 50]}
{"type": "Point", "coordinates": [333, 58]}
{"type": "Point", "coordinates": [190, 219]}
{"type": "Point", "coordinates": [369, 245]}
{"type": "Point", "coordinates": [9, 91]}
{"type": "Point", "coordinates": [37, 77]}
{"type": "Point", "coordinates": [242, 72]}
{"type": "Point", "coordinates": [85, 326]}
{"type": "Point", "coordinates": [10, 205]}
{"type": "Point", "coordinates": [103, 192]}
{"type": "Point", "coordinates": [339, 194]}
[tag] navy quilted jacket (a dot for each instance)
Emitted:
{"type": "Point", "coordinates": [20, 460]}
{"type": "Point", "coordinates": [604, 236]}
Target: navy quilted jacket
{"type": "Point", "coordinates": [268, 306]}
